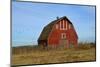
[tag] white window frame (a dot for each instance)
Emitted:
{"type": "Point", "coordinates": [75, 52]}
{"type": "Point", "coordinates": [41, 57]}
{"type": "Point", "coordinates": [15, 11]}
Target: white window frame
{"type": "Point", "coordinates": [63, 35]}
{"type": "Point", "coordinates": [60, 25]}
{"type": "Point", "coordinates": [66, 25]}
{"type": "Point", "coordinates": [63, 24]}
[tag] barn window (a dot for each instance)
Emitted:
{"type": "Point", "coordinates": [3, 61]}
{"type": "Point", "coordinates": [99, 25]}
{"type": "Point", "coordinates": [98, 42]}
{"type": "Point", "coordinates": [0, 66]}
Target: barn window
{"type": "Point", "coordinates": [61, 25]}
{"type": "Point", "coordinates": [66, 25]}
{"type": "Point", "coordinates": [63, 35]}
{"type": "Point", "coordinates": [56, 26]}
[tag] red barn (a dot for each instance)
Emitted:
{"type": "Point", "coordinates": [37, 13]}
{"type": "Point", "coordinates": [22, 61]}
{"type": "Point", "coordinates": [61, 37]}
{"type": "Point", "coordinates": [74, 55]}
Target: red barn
{"type": "Point", "coordinates": [59, 32]}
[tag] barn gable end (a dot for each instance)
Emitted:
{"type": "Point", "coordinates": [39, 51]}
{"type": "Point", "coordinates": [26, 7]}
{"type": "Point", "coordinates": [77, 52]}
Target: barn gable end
{"type": "Point", "coordinates": [45, 35]}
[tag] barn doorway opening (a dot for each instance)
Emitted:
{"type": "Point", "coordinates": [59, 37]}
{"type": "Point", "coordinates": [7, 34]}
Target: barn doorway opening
{"type": "Point", "coordinates": [63, 40]}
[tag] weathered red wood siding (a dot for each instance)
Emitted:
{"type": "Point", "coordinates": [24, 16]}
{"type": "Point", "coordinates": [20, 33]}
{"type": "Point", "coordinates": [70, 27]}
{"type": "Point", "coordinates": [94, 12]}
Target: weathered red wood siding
{"type": "Point", "coordinates": [55, 34]}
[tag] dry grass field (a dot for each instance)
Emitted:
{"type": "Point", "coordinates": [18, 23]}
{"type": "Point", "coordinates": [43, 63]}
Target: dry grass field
{"type": "Point", "coordinates": [36, 55]}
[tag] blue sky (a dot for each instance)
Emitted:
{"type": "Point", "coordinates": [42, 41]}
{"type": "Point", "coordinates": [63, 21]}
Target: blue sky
{"type": "Point", "coordinates": [28, 20]}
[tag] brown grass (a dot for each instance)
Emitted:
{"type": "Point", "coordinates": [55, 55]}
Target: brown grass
{"type": "Point", "coordinates": [36, 55]}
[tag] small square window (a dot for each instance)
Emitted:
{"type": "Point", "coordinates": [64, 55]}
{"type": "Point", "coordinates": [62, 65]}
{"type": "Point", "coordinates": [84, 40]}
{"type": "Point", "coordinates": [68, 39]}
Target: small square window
{"type": "Point", "coordinates": [63, 35]}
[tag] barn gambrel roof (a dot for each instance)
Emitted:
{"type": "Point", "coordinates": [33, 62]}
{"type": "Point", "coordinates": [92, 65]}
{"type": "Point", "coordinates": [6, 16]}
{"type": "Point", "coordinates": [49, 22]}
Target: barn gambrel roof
{"type": "Point", "coordinates": [47, 29]}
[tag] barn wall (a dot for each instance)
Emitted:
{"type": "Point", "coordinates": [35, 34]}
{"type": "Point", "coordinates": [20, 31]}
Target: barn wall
{"type": "Point", "coordinates": [72, 37]}
{"type": "Point", "coordinates": [55, 34]}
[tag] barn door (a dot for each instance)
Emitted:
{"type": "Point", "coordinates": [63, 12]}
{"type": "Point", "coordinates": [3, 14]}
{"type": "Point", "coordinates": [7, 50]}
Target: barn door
{"type": "Point", "coordinates": [63, 40]}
